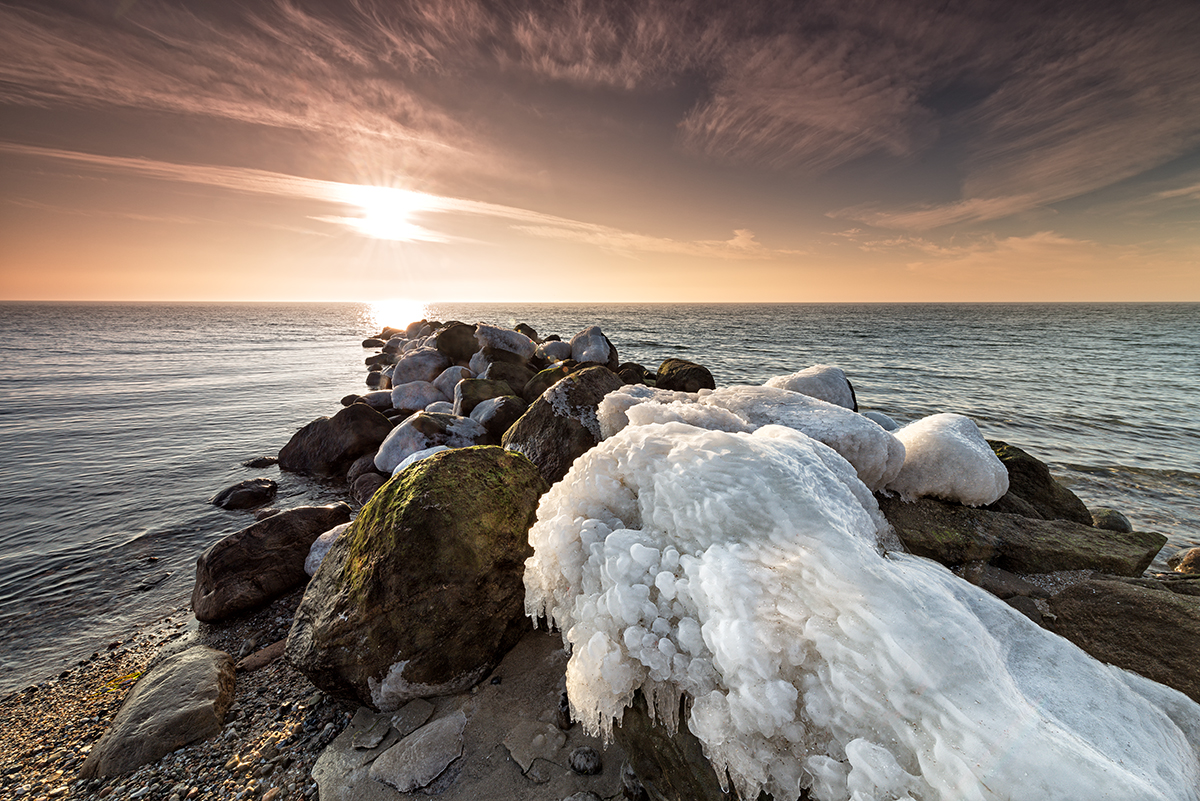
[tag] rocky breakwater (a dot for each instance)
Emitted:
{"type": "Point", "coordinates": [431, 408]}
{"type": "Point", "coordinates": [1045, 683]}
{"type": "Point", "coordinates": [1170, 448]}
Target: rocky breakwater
{"type": "Point", "coordinates": [756, 590]}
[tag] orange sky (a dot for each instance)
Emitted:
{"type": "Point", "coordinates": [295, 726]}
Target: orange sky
{"type": "Point", "coordinates": [600, 152]}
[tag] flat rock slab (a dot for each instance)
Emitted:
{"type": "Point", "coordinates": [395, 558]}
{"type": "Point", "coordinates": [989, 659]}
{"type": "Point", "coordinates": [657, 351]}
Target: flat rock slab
{"type": "Point", "coordinates": [262, 657]}
{"type": "Point", "coordinates": [525, 699]}
{"type": "Point", "coordinates": [421, 757]}
{"type": "Point", "coordinates": [179, 701]}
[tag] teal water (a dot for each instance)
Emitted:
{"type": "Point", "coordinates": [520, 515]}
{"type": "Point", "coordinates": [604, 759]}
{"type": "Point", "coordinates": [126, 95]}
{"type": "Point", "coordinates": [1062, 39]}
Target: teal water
{"type": "Point", "coordinates": [118, 421]}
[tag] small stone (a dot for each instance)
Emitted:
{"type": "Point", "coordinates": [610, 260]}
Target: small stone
{"type": "Point", "coordinates": [531, 739]}
{"type": "Point", "coordinates": [1111, 520]}
{"type": "Point", "coordinates": [418, 759]}
{"type": "Point", "coordinates": [271, 795]}
{"type": "Point", "coordinates": [585, 761]}
{"type": "Point", "coordinates": [1185, 561]}
{"type": "Point", "coordinates": [563, 716]}
{"type": "Point", "coordinates": [412, 716]}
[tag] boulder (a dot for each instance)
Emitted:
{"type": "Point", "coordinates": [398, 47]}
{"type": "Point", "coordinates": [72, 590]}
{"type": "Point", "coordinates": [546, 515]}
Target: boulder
{"type": "Point", "coordinates": [821, 381]}
{"type": "Point", "coordinates": [378, 400]}
{"type": "Point", "coordinates": [1110, 519]}
{"type": "Point", "coordinates": [394, 345]}
{"type": "Point", "coordinates": [367, 485]}
{"type": "Point", "coordinates": [449, 378]}
{"type": "Point", "coordinates": [498, 415]}
{"type": "Point", "coordinates": [425, 430]}
{"type": "Point", "coordinates": [681, 375]}
{"type": "Point", "coordinates": [591, 345]}
{"type": "Point", "coordinates": [561, 425]}
{"type": "Point", "coordinates": [373, 342]}
{"type": "Point", "coordinates": [380, 359]}
{"type": "Point", "coordinates": [945, 456]}
{"type": "Point", "coordinates": [671, 765]}
{"type": "Point", "coordinates": [515, 375]}
{"type": "Point", "coordinates": [633, 373]}
{"type": "Point", "coordinates": [419, 364]}
{"type": "Point", "coordinates": [543, 380]}
{"type": "Point", "coordinates": [361, 466]}
{"type": "Point", "coordinates": [954, 535]}
{"type": "Point", "coordinates": [555, 351]}
{"type": "Point", "coordinates": [457, 342]}
{"type": "Point", "coordinates": [1185, 561]}
{"type": "Point", "coordinates": [261, 461]}
{"type": "Point", "coordinates": [503, 343]}
{"type": "Point", "coordinates": [245, 494]}
{"type": "Point", "coordinates": [527, 330]}
{"type": "Point", "coordinates": [471, 392]}
{"type": "Point", "coordinates": [423, 594]}
{"type": "Point", "coordinates": [415, 395]}
{"type": "Point", "coordinates": [181, 700]}
{"type": "Point", "coordinates": [329, 445]}
{"type": "Point", "coordinates": [1151, 632]}
{"type": "Point", "coordinates": [377, 380]}
{"type": "Point", "coordinates": [261, 562]}
{"type": "Point", "coordinates": [321, 546]}
{"type": "Point", "coordinates": [1030, 483]}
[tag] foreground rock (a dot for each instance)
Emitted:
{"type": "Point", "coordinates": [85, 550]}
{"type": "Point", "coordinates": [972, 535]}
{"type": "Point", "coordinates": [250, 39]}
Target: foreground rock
{"type": "Point", "coordinates": [670, 766]}
{"type": "Point", "coordinates": [422, 595]}
{"type": "Point", "coordinates": [1033, 492]}
{"type": "Point", "coordinates": [260, 562]}
{"type": "Point", "coordinates": [246, 494]}
{"type": "Point", "coordinates": [684, 376]}
{"type": "Point", "coordinates": [181, 700]}
{"type": "Point", "coordinates": [954, 535]}
{"type": "Point", "coordinates": [561, 425]}
{"type": "Point", "coordinates": [329, 445]}
{"type": "Point", "coordinates": [1152, 632]}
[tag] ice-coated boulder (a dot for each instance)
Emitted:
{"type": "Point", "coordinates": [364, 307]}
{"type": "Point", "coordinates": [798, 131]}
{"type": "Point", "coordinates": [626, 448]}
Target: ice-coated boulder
{"type": "Point", "coordinates": [440, 407]}
{"type": "Point", "coordinates": [321, 546]}
{"type": "Point", "coordinates": [505, 339]}
{"type": "Point", "coordinates": [419, 364]}
{"type": "Point", "coordinates": [261, 562]}
{"type": "Point", "coordinates": [416, 395]}
{"type": "Point", "coordinates": [424, 430]}
{"type": "Point", "coordinates": [684, 376]}
{"type": "Point", "coordinates": [423, 594]}
{"type": "Point", "coordinates": [413, 458]}
{"type": "Point", "coordinates": [821, 381]}
{"type": "Point", "coordinates": [329, 445]}
{"type": "Point", "coordinates": [946, 457]}
{"type": "Point", "coordinates": [746, 572]}
{"type": "Point", "coordinates": [591, 345]}
{"type": "Point", "coordinates": [555, 351]}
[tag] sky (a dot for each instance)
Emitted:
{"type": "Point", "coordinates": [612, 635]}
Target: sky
{"type": "Point", "coordinates": [636, 151]}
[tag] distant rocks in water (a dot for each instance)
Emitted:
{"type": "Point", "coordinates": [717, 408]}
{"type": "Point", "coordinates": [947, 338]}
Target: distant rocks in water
{"type": "Point", "coordinates": [1110, 519]}
{"type": "Point", "coordinates": [328, 445]}
{"type": "Point", "coordinates": [1185, 561]}
{"type": "Point", "coordinates": [683, 376]}
{"type": "Point", "coordinates": [372, 342]}
{"type": "Point", "coordinates": [179, 701]}
{"type": "Point", "coordinates": [261, 462]}
{"type": "Point", "coordinates": [820, 381]}
{"type": "Point", "coordinates": [246, 494]}
{"type": "Point", "coordinates": [422, 595]}
{"type": "Point", "coordinates": [261, 562]}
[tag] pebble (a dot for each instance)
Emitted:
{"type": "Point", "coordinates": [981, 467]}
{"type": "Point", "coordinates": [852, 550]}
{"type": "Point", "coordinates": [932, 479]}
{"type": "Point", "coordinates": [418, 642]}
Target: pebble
{"type": "Point", "coordinates": [585, 761]}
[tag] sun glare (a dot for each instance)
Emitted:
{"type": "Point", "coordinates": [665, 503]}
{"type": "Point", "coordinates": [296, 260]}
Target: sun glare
{"type": "Point", "coordinates": [387, 213]}
{"type": "Point", "coordinates": [397, 312]}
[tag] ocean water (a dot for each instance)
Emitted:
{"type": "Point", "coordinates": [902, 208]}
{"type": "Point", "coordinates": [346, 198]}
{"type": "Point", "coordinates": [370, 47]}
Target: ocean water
{"type": "Point", "coordinates": [119, 421]}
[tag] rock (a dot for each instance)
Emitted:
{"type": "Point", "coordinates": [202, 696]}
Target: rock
{"type": "Point", "coordinates": [367, 485]}
{"type": "Point", "coordinates": [361, 466]}
{"type": "Point", "coordinates": [370, 729]}
{"type": "Point", "coordinates": [945, 456]}
{"type": "Point", "coordinates": [181, 700]}
{"type": "Point", "coordinates": [953, 535]}
{"type": "Point", "coordinates": [998, 582]}
{"type": "Point", "coordinates": [527, 330]}
{"type": "Point", "coordinates": [585, 761]}
{"type": "Point", "coordinates": [1185, 561]}
{"type": "Point", "coordinates": [441, 407]}
{"type": "Point", "coordinates": [260, 562]}
{"type": "Point", "coordinates": [672, 766]}
{"type": "Point", "coordinates": [329, 445]}
{"type": "Point", "coordinates": [413, 329]}
{"type": "Point", "coordinates": [542, 381]}
{"type": "Point", "coordinates": [261, 461]}
{"type": "Point", "coordinates": [415, 395]}
{"type": "Point", "coordinates": [373, 342]}
{"type": "Point", "coordinates": [821, 381]}
{"type": "Point", "coordinates": [457, 342]}
{"type": "Point", "coordinates": [1027, 607]}
{"type": "Point", "coordinates": [681, 375]}
{"type": "Point", "coordinates": [321, 546]}
{"type": "Point", "coordinates": [377, 380]}
{"type": "Point", "coordinates": [882, 420]}
{"type": "Point", "coordinates": [534, 739]}
{"type": "Point", "coordinates": [420, 757]}
{"type": "Point", "coordinates": [425, 430]}
{"type": "Point", "coordinates": [561, 425]}
{"type": "Point", "coordinates": [394, 345]}
{"type": "Point", "coordinates": [412, 716]}
{"type": "Point", "coordinates": [246, 494]}
{"type": "Point", "coordinates": [591, 345]}
{"type": "Point", "coordinates": [555, 351]}
{"type": "Point", "coordinates": [633, 373]}
{"type": "Point", "coordinates": [503, 340]}
{"type": "Point", "coordinates": [1150, 632]}
{"type": "Point", "coordinates": [420, 364]}
{"type": "Point", "coordinates": [1030, 481]}
{"type": "Point", "coordinates": [423, 594]}
{"type": "Point", "coordinates": [413, 458]}
{"type": "Point", "coordinates": [449, 378]}
{"type": "Point", "coordinates": [262, 657]}
{"type": "Point", "coordinates": [471, 392]}
{"type": "Point", "coordinates": [515, 375]}
{"type": "Point", "coordinates": [380, 359]}
{"type": "Point", "coordinates": [378, 400]}
{"type": "Point", "coordinates": [498, 415]}
{"type": "Point", "coordinates": [1110, 519]}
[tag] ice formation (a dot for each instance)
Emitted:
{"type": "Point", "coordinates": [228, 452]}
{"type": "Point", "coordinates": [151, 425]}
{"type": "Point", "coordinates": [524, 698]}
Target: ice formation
{"type": "Point", "coordinates": [820, 381]}
{"type": "Point", "coordinates": [320, 547]}
{"type": "Point", "coordinates": [946, 457]}
{"type": "Point", "coordinates": [504, 339]}
{"type": "Point", "coordinates": [555, 351]}
{"type": "Point", "coordinates": [744, 569]}
{"type": "Point", "coordinates": [590, 345]}
{"type": "Point", "coordinates": [875, 454]}
{"type": "Point", "coordinates": [413, 458]}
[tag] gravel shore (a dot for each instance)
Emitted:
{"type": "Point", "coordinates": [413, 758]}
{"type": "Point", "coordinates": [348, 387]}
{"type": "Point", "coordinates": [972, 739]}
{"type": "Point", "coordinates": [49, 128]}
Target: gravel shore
{"type": "Point", "coordinates": [275, 731]}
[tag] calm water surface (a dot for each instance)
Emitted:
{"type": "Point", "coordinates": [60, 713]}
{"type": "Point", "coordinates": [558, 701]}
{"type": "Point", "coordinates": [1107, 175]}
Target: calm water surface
{"type": "Point", "coordinates": [118, 421]}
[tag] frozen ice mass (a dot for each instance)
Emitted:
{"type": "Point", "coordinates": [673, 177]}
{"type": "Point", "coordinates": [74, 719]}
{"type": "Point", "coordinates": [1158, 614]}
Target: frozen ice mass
{"type": "Point", "coordinates": [746, 567]}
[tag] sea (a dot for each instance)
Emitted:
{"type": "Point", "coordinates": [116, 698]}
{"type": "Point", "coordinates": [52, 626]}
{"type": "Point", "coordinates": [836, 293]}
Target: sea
{"type": "Point", "coordinates": [118, 421]}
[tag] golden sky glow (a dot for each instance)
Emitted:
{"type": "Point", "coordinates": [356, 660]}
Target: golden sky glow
{"type": "Point", "coordinates": [464, 151]}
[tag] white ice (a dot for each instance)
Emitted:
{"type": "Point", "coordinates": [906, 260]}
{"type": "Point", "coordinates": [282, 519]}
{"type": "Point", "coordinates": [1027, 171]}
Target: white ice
{"type": "Point", "coordinates": [821, 381]}
{"type": "Point", "coordinates": [406, 439]}
{"type": "Point", "coordinates": [504, 339]}
{"type": "Point", "coordinates": [947, 457]}
{"type": "Point", "coordinates": [745, 571]}
{"type": "Point", "coordinates": [590, 345]}
{"type": "Point", "coordinates": [555, 350]}
{"type": "Point", "coordinates": [413, 458]}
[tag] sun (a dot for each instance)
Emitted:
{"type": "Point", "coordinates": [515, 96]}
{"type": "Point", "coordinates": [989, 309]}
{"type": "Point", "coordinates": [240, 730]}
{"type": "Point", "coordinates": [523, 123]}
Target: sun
{"type": "Point", "coordinates": [387, 212]}
{"type": "Point", "coordinates": [397, 312]}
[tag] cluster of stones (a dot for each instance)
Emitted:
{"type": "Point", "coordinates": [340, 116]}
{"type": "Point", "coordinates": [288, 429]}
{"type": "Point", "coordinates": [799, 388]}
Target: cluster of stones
{"type": "Point", "coordinates": [416, 602]}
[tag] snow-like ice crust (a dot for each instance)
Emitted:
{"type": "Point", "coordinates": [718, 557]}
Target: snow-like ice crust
{"type": "Point", "coordinates": [947, 457]}
{"type": "Point", "coordinates": [413, 458]}
{"type": "Point", "coordinates": [745, 571]}
{"type": "Point", "coordinates": [505, 339]}
{"type": "Point", "coordinates": [555, 350]}
{"type": "Point", "coordinates": [821, 381]}
{"type": "Point", "coordinates": [875, 454]}
{"type": "Point", "coordinates": [320, 547]}
{"type": "Point", "coordinates": [590, 345]}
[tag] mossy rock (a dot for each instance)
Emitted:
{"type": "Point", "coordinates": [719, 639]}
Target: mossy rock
{"type": "Point", "coordinates": [1033, 492]}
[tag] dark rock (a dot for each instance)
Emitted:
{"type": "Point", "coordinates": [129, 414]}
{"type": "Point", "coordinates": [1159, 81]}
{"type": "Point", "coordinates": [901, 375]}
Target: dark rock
{"type": "Point", "coordinates": [1030, 481]}
{"type": "Point", "coordinates": [361, 466]}
{"type": "Point", "coordinates": [414, 329]}
{"type": "Point", "coordinates": [1001, 583]}
{"type": "Point", "coordinates": [457, 342]}
{"type": "Point", "coordinates": [263, 514]}
{"type": "Point", "coordinates": [261, 562]}
{"type": "Point", "coordinates": [378, 381]}
{"type": "Point", "coordinates": [181, 700]}
{"type": "Point", "coordinates": [425, 430]}
{"type": "Point", "coordinates": [1026, 606]}
{"type": "Point", "coordinates": [394, 345]}
{"type": "Point", "coordinates": [1149, 632]}
{"type": "Point", "coordinates": [561, 425]}
{"type": "Point", "coordinates": [372, 368]}
{"type": "Point", "coordinates": [670, 766]}
{"type": "Point", "coordinates": [423, 594]}
{"type": "Point", "coordinates": [367, 485]}
{"type": "Point", "coordinates": [498, 415]}
{"type": "Point", "coordinates": [553, 338]}
{"type": "Point", "coordinates": [374, 342]}
{"type": "Point", "coordinates": [351, 398]}
{"type": "Point", "coordinates": [470, 392]}
{"type": "Point", "coordinates": [421, 364]}
{"type": "Point", "coordinates": [681, 375]}
{"type": "Point", "coordinates": [329, 445]}
{"type": "Point", "coordinates": [380, 359]}
{"type": "Point", "coordinates": [261, 461]}
{"type": "Point", "coordinates": [585, 761]}
{"type": "Point", "coordinates": [1111, 519]}
{"type": "Point", "coordinates": [543, 380]}
{"type": "Point", "coordinates": [633, 373]}
{"type": "Point", "coordinates": [246, 494]}
{"type": "Point", "coordinates": [515, 375]}
{"type": "Point", "coordinates": [1185, 561]}
{"type": "Point", "coordinates": [954, 535]}
{"type": "Point", "coordinates": [379, 400]}
{"type": "Point", "coordinates": [522, 328]}
{"type": "Point", "coordinates": [489, 356]}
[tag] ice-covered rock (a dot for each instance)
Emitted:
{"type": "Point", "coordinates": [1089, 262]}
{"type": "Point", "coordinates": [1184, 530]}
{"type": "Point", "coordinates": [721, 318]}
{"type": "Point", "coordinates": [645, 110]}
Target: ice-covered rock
{"type": "Point", "coordinates": [424, 430]}
{"type": "Point", "coordinates": [416, 395]}
{"type": "Point", "coordinates": [419, 364]}
{"type": "Point", "coordinates": [321, 546]}
{"type": "Point", "coordinates": [821, 381]}
{"type": "Point", "coordinates": [946, 457]}
{"type": "Point", "coordinates": [448, 378]}
{"type": "Point", "coordinates": [440, 407]}
{"type": "Point", "coordinates": [745, 570]}
{"type": "Point", "coordinates": [505, 339]}
{"type": "Point", "coordinates": [591, 345]}
{"type": "Point", "coordinates": [555, 351]}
